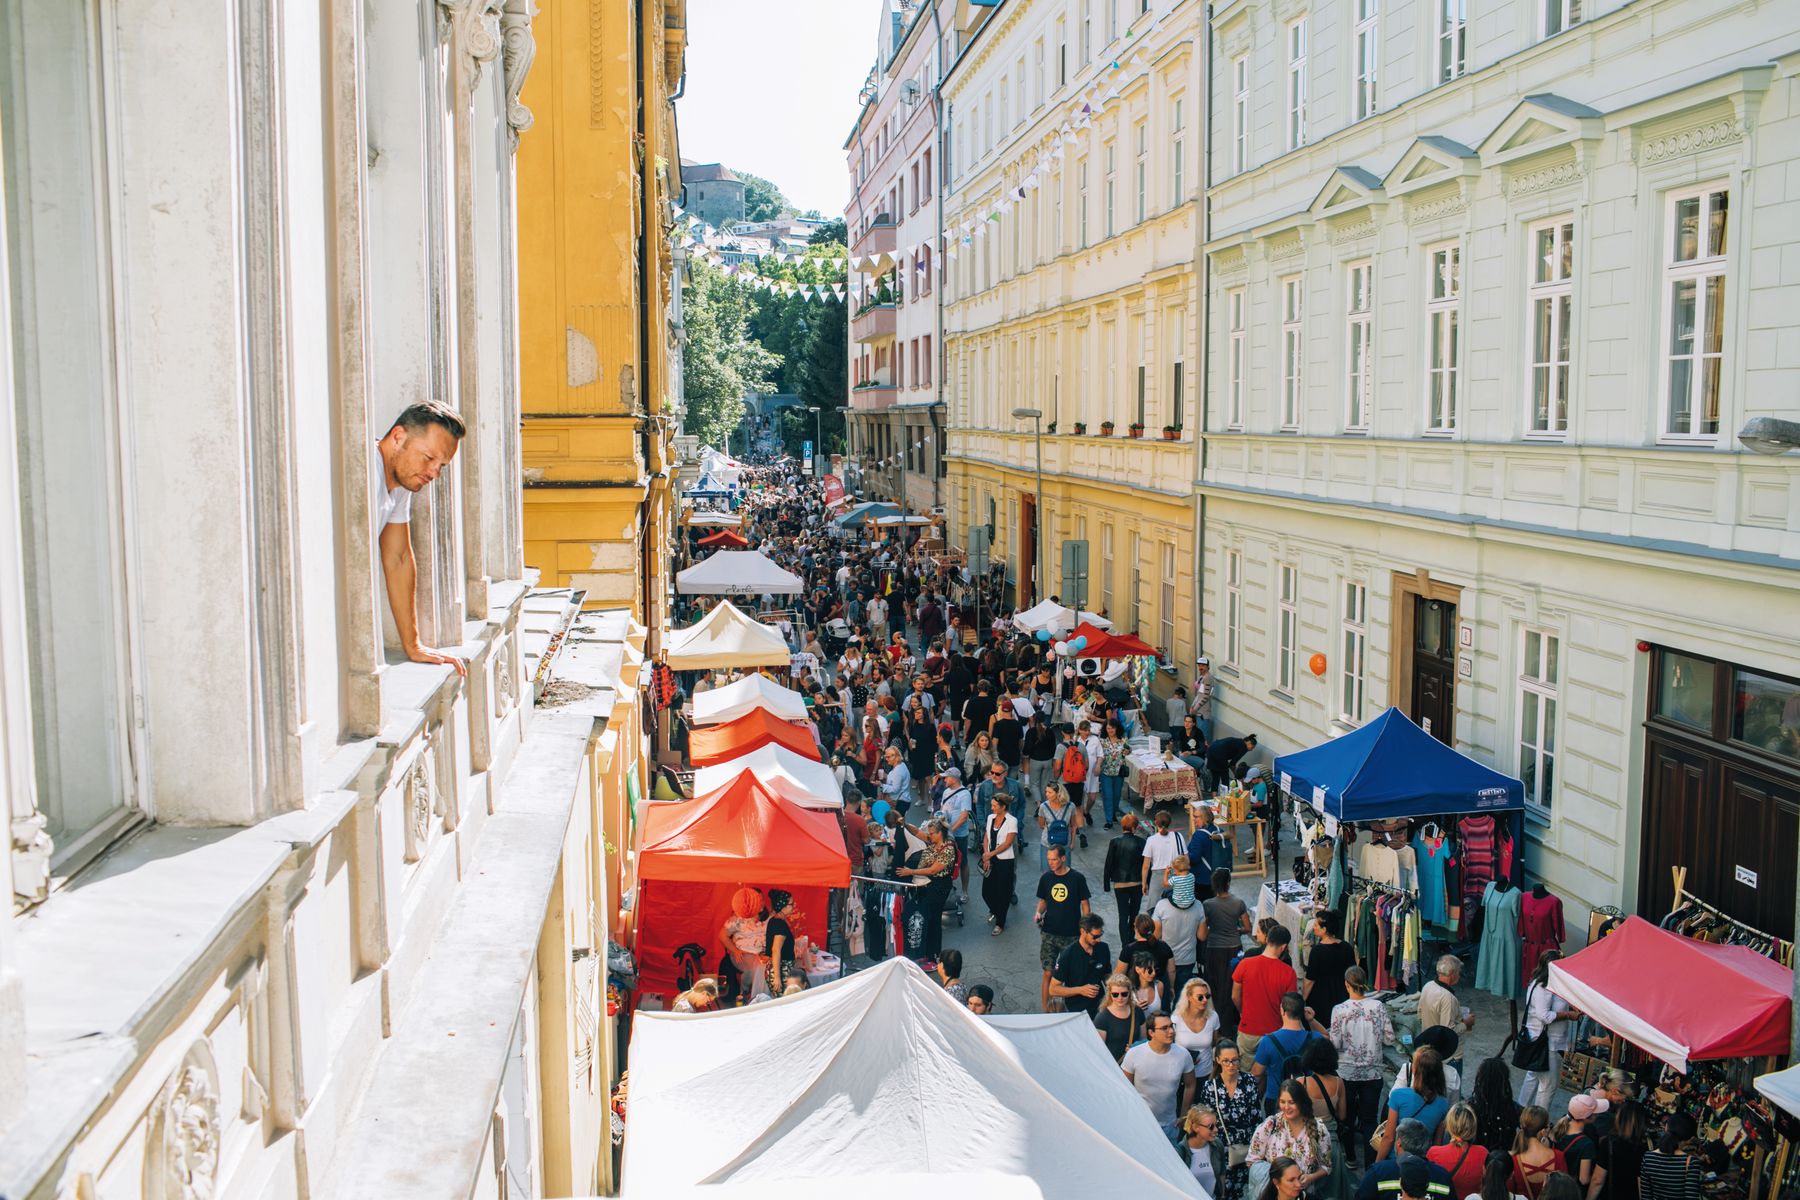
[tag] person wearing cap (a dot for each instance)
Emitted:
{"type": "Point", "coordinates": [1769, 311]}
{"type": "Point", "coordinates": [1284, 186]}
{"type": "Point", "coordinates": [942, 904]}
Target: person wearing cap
{"type": "Point", "coordinates": [1573, 1138]}
{"type": "Point", "coordinates": [1411, 1141]}
{"type": "Point", "coordinates": [956, 808]}
{"type": "Point", "coordinates": [1201, 704]}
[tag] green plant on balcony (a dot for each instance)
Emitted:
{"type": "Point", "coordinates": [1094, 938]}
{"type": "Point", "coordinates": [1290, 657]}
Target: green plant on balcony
{"type": "Point", "coordinates": [1106, 428]}
{"type": "Point", "coordinates": [1171, 433]}
{"type": "Point", "coordinates": [1135, 429]}
{"type": "Point", "coordinates": [1080, 427]}
{"type": "Point", "coordinates": [1050, 428]}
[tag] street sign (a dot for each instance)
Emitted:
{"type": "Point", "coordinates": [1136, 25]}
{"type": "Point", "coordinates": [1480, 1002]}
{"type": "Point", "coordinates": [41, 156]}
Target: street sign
{"type": "Point", "coordinates": [807, 454]}
{"type": "Point", "coordinates": [1075, 573]}
{"type": "Point", "coordinates": [978, 550]}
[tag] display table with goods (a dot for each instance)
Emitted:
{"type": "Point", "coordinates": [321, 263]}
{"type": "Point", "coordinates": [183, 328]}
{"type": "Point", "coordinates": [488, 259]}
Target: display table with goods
{"type": "Point", "coordinates": [1291, 904]}
{"type": "Point", "coordinates": [1231, 812]}
{"type": "Point", "coordinates": [1160, 782]}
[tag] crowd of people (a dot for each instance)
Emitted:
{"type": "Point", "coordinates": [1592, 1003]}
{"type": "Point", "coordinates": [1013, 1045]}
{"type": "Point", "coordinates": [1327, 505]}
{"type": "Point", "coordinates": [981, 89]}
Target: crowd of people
{"type": "Point", "coordinates": [969, 760]}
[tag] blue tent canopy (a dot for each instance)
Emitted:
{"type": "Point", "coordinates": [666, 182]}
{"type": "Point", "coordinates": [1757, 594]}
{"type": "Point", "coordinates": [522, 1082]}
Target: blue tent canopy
{"type": "Point", "coordinates": [866, 510]}
{"type": "Point", "coordinates": [706, 485]}
{"type": "Point", "coordinates": [1390, 768]}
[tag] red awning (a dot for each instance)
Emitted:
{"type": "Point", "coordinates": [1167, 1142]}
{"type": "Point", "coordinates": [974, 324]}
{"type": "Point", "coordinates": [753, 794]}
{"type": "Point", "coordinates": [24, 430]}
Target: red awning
{"type": "Point", "coordinates": [1101, 644]}
{"type": "Point", "coordinates": [752, 731]}
{"type": "Point", "coordinates": [743, 831]}
{"type": "Point", "coordinates": [1679, 998]}
{"type": "Point", "coordinates": [725, 537]}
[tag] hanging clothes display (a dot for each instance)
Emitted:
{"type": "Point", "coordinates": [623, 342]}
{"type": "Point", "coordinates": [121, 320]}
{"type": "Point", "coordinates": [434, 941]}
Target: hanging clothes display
{"type": "Point", "coordinates": [1409, 867]}
{"type": "Point", "coordinates": [1497, 966]}
{"type": "Point", "coordinates": [1541, 928]}
{"type": "Point", "coordinates": [1480, 864]}
{"type": "Point", "coordinates": [1383, 925]}
{"type": "Point", "coordinates": [1430, 855]}
{"type": "Point", "coordinates": [1379, 864]}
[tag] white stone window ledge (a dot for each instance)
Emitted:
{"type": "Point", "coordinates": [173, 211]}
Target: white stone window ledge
{"type": "Point", "coordinates": [106, 957]}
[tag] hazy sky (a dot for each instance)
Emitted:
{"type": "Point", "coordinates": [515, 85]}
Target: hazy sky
{"type": "Point", "coordinates": [771, 89]}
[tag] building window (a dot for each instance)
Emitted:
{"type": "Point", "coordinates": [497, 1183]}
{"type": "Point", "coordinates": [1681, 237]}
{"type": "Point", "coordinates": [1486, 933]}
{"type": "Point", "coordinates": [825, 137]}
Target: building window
{"type": "Point", "coordinates": [1106, 570]}
{"type": "Point", "coordinates": [1062, 53]}
{"type": "Point", "coordinates": [1037, 75]}
{"type": "Point", "coordinates": [1443, 330]}
{"type": "Point", "coordinates": [1558, 15]}
{"type": "Point", "coordinates": [1019, 74]}
{"type": "Point", "coordinates": [1178, 376]}
{"type": "Point", "coordinates": [1112, 189]}
{"type": "Point", "coordinates": [1694, 296]}
{"type": "Point", "coordinates": [1143, 393]}
{"type": "Point", "coordinates": [1537, 719]}
{"type": "Point", "coordinates": [1240, 113]}
{"type": "Point", "coordinates": [1087, 31]}
{"type": "Point", "coordinates": [1296, 84]}
{"type": "Point", "coordinates": [1112, 20]}
{"type": "Point", "coordinates": [925, 362]}
{"type": "Point", "coordinates": [1234, 360]}
{"type": "Point", "coordinates": [1168, 602]}
{"type": "Point", "coordinates": [1143, 171]}
{"type": "Point", "coordinates": [74, 656]}
{"type": "Point", "coordinates": [1550, 296]}
{"type": "Point", "coordinates": [1453, 20]}
{"type": "Point", "coordinates": [1355, 650]}
{"type": "Point", "coordinates": [1765, 713]}
{"type": "Point", "coordinates": [925, 174]}
{"type": "Point", "coordinates": [1287, 629]}
{"type": "Point", "coordinates": [1293, 350]}
{"type": "Point", "coordinates": [1359, 347]}
{"type": "Point", "coordinates": [1368, 49]}
{"type": "Point", "coordinates": [1234, 605]}
{"type": "Point", "coordinates": [1081, 204]}
{"type": "Point", "coordinates": [1178, 161]}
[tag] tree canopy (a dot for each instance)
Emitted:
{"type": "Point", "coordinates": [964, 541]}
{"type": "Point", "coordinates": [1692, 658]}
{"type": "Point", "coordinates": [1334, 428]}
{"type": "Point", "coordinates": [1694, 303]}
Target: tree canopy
{"type": "Point", "coordinates": [763, 201]}
{"type": "Point", "coordinates": [720, 361]}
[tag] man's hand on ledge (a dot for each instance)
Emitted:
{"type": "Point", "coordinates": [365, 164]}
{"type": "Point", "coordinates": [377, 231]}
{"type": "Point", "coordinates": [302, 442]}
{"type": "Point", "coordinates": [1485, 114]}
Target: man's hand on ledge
{"type": "Point", "coordinates": [425, 654]}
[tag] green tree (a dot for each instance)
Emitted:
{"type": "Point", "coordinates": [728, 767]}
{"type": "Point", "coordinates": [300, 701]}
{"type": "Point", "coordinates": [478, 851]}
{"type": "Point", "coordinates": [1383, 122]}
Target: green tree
{"type": "Point", "coordinates": [833, 231]}
{"type": "Point", "coordinates": [823, 373]}
{"type": "Point", "coordinates": [763, 201]}
{"type": "Point", "coordinates": [720, 359]}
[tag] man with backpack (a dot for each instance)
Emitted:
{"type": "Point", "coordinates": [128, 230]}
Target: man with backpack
{"type": "Point", "coordinates": [1278, 1054]}
{"type": "Point", "coordinates": [1059, 820]}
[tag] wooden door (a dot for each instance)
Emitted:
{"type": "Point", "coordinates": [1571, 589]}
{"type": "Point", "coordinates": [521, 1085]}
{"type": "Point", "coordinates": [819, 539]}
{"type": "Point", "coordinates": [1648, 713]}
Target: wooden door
{"type": "Point", "coordinates": [1434, 668]}
{"type": "Point", "coordinates": [1028, 593]}
{"type": "Point", "coordinates": [1754, 862]}
{"type": "Point", "coordinates": [1675, 832]}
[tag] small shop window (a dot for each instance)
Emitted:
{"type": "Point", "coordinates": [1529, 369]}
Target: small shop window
{"type": "Point", "coordinates": [1684, 690]}
{"type": "Point", "coordinates": [1765, 713]}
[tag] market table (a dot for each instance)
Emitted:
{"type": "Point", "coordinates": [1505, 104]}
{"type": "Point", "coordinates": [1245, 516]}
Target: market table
{"type": "Point", "coordinates": [1294, 914]}
{"type": "Point", "coordinates": [1157, 782]}
{"type": "Point", "coordinates": [1257, 863]}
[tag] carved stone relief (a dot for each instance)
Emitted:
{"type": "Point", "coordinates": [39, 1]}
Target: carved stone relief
{"type": "Point", "coordinates": [473, 30]}
{"type": "Point", "coordinates": [419, 804]}
{"type": "Point", "coordinates": [1726, 131]}
{"type": "Point", "coordinates": [506, 692]}
{"type": "Point", "coordinates": [181, 1160]}
{"type": "Point", "coordinates": [518, 49]}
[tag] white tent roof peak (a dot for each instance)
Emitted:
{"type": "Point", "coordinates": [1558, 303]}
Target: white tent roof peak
{"type": "Point", "coordinates": [1048, 614]}
{"type": "Point", "coordinates": [739, 699]}
{"type": "Point", "coordinates": [725, 637]}
{"type": "Point", "coordinates": [883, 1074]}
{"type": "Point", "coordinates": [737, 573]}
{"type": "Point", "coordinates": [792, 776]}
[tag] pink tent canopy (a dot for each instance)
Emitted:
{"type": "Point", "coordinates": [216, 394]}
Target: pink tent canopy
{"type": "Point", "coordinates": [1679, 998]}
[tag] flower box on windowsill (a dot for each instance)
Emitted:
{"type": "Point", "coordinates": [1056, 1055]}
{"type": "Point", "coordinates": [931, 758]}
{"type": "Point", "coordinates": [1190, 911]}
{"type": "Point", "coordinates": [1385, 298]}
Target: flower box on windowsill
{"type": "Point", "coordinates": [1134, 430]}
{"type": "Point", "coordinates": [1171, 433]}
{"type": "Point", "coordinates": [1106, 429]}
{"type": "Point", "coordinates": [1080, 427]}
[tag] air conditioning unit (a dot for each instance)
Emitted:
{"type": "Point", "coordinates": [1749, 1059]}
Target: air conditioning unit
{"type": "Point", "coordinates": [1090, 668]}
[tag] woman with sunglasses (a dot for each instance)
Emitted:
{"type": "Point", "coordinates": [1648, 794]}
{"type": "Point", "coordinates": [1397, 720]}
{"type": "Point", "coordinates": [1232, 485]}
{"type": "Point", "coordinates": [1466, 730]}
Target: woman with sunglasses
{"type": "Point", "coordinates": [1196, 1024]}
{"type": "Point", "coordinates": [1236, 1097]}
{"type": "Point", "coordinates": [1200, 1146]}
{"type": "Point", "coordinates": [1120, 1022]}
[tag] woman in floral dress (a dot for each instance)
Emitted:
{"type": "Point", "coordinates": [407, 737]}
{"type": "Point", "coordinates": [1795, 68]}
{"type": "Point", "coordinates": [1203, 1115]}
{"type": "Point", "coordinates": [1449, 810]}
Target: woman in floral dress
{"type": "Point", "coordinates": [1293, 1132]}
{"type": "Point", "coordinates": [1237, 1098]}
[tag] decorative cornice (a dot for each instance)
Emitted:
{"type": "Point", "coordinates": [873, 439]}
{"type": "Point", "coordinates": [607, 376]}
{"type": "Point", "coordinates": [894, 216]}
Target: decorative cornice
{"type": "Point", "coordinates": [518, 49]}
{"type": "Point", "coordinates": [1452, 205]}
{"type": "Point", "coordinates": [1531, 182]}
{"type": "Point", "coordinates": [181, 1159]}
{"type": "Point", "coordinates": [1232, 264]}
{"type": "Point", "coordinates": [1353, 232]}
{"type": "Point", "coordinates": [1726, 131]}
{"type": "Point", "coordinates": [1290, 245]}
{"type": "Point", "coordinates": [473, 29]}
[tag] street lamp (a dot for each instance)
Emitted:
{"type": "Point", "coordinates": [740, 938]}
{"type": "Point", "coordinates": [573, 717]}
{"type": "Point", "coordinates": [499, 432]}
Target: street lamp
{"type": "Point", "coordinates": [1770, 435]}
{"type": "Point", "coordinates": [818, 439]}
{"type": "Point", "coordinates": [1036, 417]}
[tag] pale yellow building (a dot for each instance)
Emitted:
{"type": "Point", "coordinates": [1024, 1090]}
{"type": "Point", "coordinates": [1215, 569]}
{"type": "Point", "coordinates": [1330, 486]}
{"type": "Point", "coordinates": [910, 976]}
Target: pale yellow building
{"type": "Point", "coordinates": [1074, 166]}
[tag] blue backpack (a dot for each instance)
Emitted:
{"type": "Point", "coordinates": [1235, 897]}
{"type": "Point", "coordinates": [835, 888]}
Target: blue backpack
{"type": "Point", "coordinates": [1056, 833]}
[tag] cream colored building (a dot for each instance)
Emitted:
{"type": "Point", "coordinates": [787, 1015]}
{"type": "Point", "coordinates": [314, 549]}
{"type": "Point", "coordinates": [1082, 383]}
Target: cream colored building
{"type": "Point", "coordinates": [1071, 289]}
{"type": "Point", "coordinates": [291, 916]}
{"type": "Point", "coordinates": [1492, 289]}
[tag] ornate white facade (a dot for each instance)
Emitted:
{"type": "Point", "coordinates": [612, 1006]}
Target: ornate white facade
{"type": "Point", "coordinates": [1491, 289]}
{"type": "Point", "coordinates": [293, 916]}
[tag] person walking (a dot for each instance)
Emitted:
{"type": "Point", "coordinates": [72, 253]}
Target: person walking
{"type": "Point", "coordinates": [1202, 1148]}
{"type": "Point", "coordinates": [1535, 1159]}
{"type": "Point", "coordinates": [936, 863]}
{"type": "Point", "coordinates": [999, 861]}
{"type": "Point", "coordinates": [1119, 1021]}
{"type": "Point", "coordinates": [1361, 1028]}
{"type": "Point", "coordinates": [1227, 923]}
{"type": "Point", "coordinates": [1463, 1155]}
{"type": "Point", "coordinates": [1331, 956]}
{"type": "Point", "coordinates": [1257, 987]}
{"type": "Point", "coordinates": [1081, 970]}
{"type": "Point", "coordinates": [1544, 1009]}
{"type": "Point", "coordinates": [1279, 1052]}
{"type": "Point", "coordinates": [1112, 770]}
{"type": "Point", "coordinates": [1062, 903]}
{"type": "Point", "coordinates": [1160, 850]}
{"type": "Point", "coordinates": [1236, 1097]}
{"type": "Point", "coordinates": [1040, 756]}
{"type": "Point", "coordinates": [1123, 874]}
{"type": "Point", "coordinates": [1163, 1075]}
{"type": "Point", "coordinates": [1181, 921]}
{"type": "Point", "coordinates": [1291, 1131]}
{"type": "Point", "coordinates": [1059, 822]}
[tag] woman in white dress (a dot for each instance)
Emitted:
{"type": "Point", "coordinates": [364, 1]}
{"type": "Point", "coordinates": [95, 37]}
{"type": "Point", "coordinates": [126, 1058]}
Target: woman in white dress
{"type": "Point", "coordinates": [1197, 1024]}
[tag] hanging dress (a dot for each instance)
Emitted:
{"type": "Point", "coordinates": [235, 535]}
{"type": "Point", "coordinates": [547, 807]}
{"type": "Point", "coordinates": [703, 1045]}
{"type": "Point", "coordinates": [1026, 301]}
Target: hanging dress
{"type": "Point", "coordinates": [1430, 860]}
{"type": "Point", "coordinates": [1497, 967]}
{"type": "Point", "coordinates": [1541, 927]}
{"type": "Point", "coordinates": [1479, 860]}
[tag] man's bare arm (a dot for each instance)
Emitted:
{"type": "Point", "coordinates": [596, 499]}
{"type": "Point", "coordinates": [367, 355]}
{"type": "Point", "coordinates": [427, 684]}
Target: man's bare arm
{"type": "Point", "coordinates": [399, 569]}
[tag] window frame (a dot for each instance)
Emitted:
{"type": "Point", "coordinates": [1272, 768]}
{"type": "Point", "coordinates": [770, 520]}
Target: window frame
{"type": "Point", "coordinates": [1566, 14]}
{"type": "Point", "coordinates": [1295, 45]}
{"type": "Point", "coordinates": [1359, 336]}
{"type": "Point", "coordinates": [1540, 799]}
{"type": "Point", "coordinates": [1168, 600]}
{"type": "Point", "coordinates": [1240, 114]}
{"type": "Point", "coordinates": [1234, 606]}
{"type": "Point", "coordinates": [1178, 152]}
{"type": "Point", "coordinates": [1697, 270]}
{"type": "Point", "coordinates": [1081, 204]}
{"type": "Point", "coordinates": [1141, 136]}
{"type": "Point", "coordinates": [1365, 49]}
{"type": "Point", "coordinates": [1354, 648]}
{"type": "Point", "coordinates": [1106, 570]}
{"type": "Point", "coordinates": [1287, 628]}
{"type": "Point", "coordinates": [1557, 294]}
{"type": "Point", "coordinates": [1111, 163]}
{"type": "Point", "coordinates": [1293, 352]}
{"type": "Point", "coordinates": [1236, 345]}
{"type": "Point", "coordinates": [1443, 324]}
{"type": "Point", "coordinates": [1452, 40]}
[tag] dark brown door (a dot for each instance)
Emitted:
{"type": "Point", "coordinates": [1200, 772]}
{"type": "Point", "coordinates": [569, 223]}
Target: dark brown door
{"type": "Point", "coordinates": [1434, 668]}
{"type": "Point", "coordinates": [1027, 551]}
{"type": "Point", "coordinates": [1675, 833]}
{"type": "Point", "coordinates": [1755, 860]}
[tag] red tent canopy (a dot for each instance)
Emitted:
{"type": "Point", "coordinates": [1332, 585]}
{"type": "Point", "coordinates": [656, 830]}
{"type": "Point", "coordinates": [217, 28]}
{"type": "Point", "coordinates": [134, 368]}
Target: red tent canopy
{"type": "Point", "coordinates": [1679, 998]}
{"type": "Point", "coordinates": [695, 854]}
{"type": "Point", "coordinates": [1101, 644]}
{"type": "Point", "coordinates": [725, 537]}
{"type": "Point", "coordinates": [752, 731]}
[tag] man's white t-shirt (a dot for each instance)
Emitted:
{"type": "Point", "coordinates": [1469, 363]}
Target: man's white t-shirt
{"type": "Point", "coordinates": [1161, 849]}
{"type": "Point", "coordinates": [1157, 1077]}
{"type": "Point", "coordinates": [392, 506]}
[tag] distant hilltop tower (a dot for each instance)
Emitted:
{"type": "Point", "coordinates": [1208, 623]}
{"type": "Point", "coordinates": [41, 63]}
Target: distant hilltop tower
{"type": "Point", "coordinates": [714, 194]}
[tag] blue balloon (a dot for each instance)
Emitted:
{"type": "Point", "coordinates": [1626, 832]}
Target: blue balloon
{"type": "Point", "coordinates": [1079, 643]}
{"type": "Point", "coordinates": [1043, 635]}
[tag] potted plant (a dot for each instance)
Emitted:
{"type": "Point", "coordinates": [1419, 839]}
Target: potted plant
{"type": "Point", "coordinates": [1171, 433]}
{"type": "Point", "coordinates": [1135, 429]}
{"type": "Point", "coordinates": [1051, 428]}
{"type": "Point", "coordinates": [1106, 429]}
{"type": "Point", "coordinates": [1080, 427]}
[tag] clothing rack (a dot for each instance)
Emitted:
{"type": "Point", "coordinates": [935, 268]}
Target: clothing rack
{"type": "Point", "coordinates": [1780, 949]}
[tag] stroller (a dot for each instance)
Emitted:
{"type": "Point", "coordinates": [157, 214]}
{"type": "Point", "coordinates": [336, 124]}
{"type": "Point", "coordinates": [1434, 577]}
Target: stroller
{"type": "Point", "coordinates": [836, 636]}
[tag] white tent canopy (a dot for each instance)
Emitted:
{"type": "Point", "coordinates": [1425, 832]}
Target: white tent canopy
{"type": "Point", "coordinates": [706, 519]}
{"type": "Point", "coordinates": [927, 1089]}
{"type": "Point", "coordinates": [1056, 618]}
{"type": "Point", "coordinates": [725, 637]}
{"type": "Point", "coordinates": [1782, 1088]}
{"type": "Point", "coordinates": [738, 573]}
{"type": "Point", "coordinates": [752, 692]}
{"type": "Point", "coordinates": [792, 776]}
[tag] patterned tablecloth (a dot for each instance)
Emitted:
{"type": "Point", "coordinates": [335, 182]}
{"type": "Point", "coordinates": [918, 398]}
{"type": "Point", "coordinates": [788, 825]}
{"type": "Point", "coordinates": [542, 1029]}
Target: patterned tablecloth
{"type": "Point", "coordinates": [1158, 783]}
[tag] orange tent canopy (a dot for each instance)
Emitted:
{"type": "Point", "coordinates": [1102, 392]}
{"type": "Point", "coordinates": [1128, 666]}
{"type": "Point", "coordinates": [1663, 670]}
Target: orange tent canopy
{"type": "Point", "coordinates": [743, 831]}
{"type": "Point", "coordinates": [752, 731]}
{"type": "Point", "coordinates": [725, 537]}
{"type": "Point", "coordinates": [1101, 644]}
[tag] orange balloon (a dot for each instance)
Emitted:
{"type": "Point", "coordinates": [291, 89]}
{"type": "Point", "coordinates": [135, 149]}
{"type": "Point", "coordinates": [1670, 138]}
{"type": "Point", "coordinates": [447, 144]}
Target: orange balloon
{"type": "Point", "coordinates": [1317, 664]}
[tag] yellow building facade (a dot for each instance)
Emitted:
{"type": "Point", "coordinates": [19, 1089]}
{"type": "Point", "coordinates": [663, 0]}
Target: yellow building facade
{"type": "Point", "coordinates": [599, 311]}
{"type": "Point", "coordinates": [1071, 289]}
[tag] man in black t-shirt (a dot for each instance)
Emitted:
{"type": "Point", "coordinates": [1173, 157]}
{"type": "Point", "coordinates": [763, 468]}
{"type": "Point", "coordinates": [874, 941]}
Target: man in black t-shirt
{"type": "Point", "coordinates": [979, 709]}
{"type": "Point", "coordinates": [1063, 899]}
{"type": "Point", "coordinates": [1079, 978]}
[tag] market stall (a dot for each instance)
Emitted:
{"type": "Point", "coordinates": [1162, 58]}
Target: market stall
{"type": "Point", "coordinates": [725, 637]}
{"type": "Point", "coordinates": [859, 1080]}
{"type": "Point", "coordinates": [724, 539]}
{"type": "Point", "coordinates": [1051, 617]}
{"type": "Point", "coordinates": [737, 573]}
{"type": "Point", "coordinates": [748, 694]}
{"type": "Point", "coordinates": [867, 510]}
{"type": "Point", "coordinates": [693, 855]}
{"type": "Point", "coordinates": [757, 728]}
{"type": "Point", "coordinates": [793, 776]}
